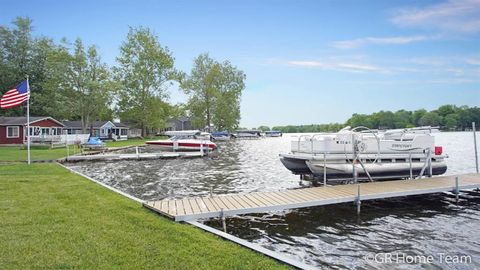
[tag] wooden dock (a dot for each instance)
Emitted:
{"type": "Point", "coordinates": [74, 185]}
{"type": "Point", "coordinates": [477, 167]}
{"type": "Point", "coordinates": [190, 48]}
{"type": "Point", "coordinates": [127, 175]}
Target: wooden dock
{"type": "Point", "coordinates": [189, 209]}
{"type": "Point", "coordinates": [142, 156]}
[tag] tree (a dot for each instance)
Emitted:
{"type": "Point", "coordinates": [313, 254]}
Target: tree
{"type": "Point", "coordinates": [79, 84]}
{"type": "Point", "coordinates": [263, 128]}
{"type": "Point", "coordinates": [445, 110]}
{"type": "Point", "coordinates": [361, 120]}
{"type": "Point", "coordinates": [430, 119]}
{"type": "Point", "coordinates": [451, 121]}
{"type": "Point", "coordinates": [402, 119]}
{"type": "Point", "coordinates": [22, 55]}
{"type": "Point", "coordinates": [145, 69]}
{"type": "Point", "coordinates": [417, 115]}
{"type": "Point", "coordinates": [383, 119]}
{"type": "Point", "coordinates": [214, 91]}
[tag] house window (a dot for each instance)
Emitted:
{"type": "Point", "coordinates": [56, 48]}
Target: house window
{"type": "Point", "coordinates": [124, 132]}
{"type": "Point", "coordinates": [34, 131]}
{"type": "Point", "coordinates": [13, 132]}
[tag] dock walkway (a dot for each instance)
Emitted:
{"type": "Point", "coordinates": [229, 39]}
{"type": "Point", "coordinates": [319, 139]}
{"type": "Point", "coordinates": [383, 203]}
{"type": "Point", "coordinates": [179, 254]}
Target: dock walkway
{"type": "Point", "coordinates": [189, 209]}
{"type": "Point", "coordinates": [142, 156]}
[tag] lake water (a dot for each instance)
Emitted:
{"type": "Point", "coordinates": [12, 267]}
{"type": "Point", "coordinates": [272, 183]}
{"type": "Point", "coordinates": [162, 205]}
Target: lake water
{"type": "Point", "coordinates": [327, 236]}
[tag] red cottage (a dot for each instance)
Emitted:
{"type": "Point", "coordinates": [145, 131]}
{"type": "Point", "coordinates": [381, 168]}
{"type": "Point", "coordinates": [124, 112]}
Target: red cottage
{"type": "Point", "coordinates": [12, 129]}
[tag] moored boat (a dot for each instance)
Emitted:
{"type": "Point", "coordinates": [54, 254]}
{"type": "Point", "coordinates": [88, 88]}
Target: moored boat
{"type": "Point", "coordinates": [248, 134]}
{"type": "Point", "coordinates": [367, 154]}
{"type": "Point", "coordinates": [221, 136]}
{"type": "Point", "coordinates": [273, 133]}
{"type": "Point", "coordinates": [185, 140]}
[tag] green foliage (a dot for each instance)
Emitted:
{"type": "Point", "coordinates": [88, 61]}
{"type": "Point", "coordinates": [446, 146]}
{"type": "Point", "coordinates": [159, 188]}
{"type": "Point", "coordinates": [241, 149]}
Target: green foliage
{"type": "Point", "coordinates": [417, 115]}
{"type": "Point", "coordinates": [447, 117]}
{"type": "Point", "coordinates": [431, 119]}
{"type": "Point", "coordinates": [334, 127]}
{"type": "Point", "coordinates": [214, 91]}
{"type": "Point", "coordinates": [144, 70]}
{"type": "Point", "coordinates": [79, 84]}
{"type": "Point", "coordinates": [21, 55]}
{"type": "Point", "coordinates": [263, 128]}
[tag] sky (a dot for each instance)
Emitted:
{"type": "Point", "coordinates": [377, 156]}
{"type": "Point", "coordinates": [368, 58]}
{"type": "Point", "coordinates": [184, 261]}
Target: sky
{"type": "Point", "coordinates": [306, 62]}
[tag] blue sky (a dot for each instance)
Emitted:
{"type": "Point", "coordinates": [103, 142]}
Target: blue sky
{"type": "Point", "coordinates": [306, 61]}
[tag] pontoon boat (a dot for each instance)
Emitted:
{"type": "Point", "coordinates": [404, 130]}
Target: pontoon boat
{"type": "Point", "coordinates": [367, 154]}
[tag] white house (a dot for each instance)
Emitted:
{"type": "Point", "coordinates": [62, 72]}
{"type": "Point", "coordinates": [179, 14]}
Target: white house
{"type": "Point", "coordinates": [101, 129]}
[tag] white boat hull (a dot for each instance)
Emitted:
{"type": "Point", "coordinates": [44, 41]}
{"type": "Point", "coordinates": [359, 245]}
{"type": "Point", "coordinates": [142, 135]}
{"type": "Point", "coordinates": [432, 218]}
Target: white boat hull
{"type": "Point", "coordinates": [376, 170]}
{"type": "Point", "coordinates": [182, 145]}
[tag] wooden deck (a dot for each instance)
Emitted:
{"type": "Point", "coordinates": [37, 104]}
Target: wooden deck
{"type": "Point", "coordinates": [189, 209]}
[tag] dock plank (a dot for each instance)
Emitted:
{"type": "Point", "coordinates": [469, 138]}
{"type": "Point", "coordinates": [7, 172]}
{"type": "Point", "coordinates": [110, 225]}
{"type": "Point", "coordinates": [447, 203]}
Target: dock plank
{"type": "Point", "coordinates": [256, 199]}
{"type": "Point", "coordinates": [202, 206]}
{"type": "Point", "coordinates": [233, 202]}
{"type": "Point", "coordinates": [243, 201]}
{"type": "Point", "coordinates": [223, 204]}
{"type": "Point", "coordinates": [180, 208]}
{"type": "Point", "coordinates": [187, 207]}
{"type": "Point", "coordinates": [193, 208]}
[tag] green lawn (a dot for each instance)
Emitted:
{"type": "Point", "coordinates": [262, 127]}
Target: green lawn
{"type": "Point", "coordinates": [128, 142]}
{"type": "Point", "coordinates": [19, 153]}
{"type": "Point", "coordinates": [51, 218]}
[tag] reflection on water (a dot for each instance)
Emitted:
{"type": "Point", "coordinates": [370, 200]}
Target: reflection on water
{"type": "Point", "coordinates": [328, 236]}
{"type": "Point", "coordinates": [237, 167]}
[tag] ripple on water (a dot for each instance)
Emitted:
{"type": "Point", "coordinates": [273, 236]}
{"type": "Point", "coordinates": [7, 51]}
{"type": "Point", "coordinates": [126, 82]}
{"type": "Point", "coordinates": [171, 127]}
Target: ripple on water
{"type": "Point", "coordinates": [330, 237]}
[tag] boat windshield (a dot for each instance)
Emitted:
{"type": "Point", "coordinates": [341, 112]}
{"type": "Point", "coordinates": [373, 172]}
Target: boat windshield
{"type": "Point", "coordinates": [181, 137]}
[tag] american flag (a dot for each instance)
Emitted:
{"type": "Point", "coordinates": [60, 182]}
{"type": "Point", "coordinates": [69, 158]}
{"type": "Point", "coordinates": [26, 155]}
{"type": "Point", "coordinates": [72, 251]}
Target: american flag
{"type": "Point", "coordinates": [16, 96]}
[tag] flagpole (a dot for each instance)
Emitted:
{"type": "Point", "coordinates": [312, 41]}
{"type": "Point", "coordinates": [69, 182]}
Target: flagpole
{"type": "Point", "coordinates": [28, 122]}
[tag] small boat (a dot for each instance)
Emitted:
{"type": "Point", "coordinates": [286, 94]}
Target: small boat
{"type": "Point", "coordinates": [196, 133]}
{"type": "Point", "coordinates": [94, 143]}
{"type": "Point", "coordinates": [248, 134]}
{"type": "Point", "coordinates": [273, 133]}
{"type": "Point", "coordinates": [220, 136]}
{"type": "Point", "coordinates": [367, 154]}
{"type": "Point", "coordinates": [185, 140]}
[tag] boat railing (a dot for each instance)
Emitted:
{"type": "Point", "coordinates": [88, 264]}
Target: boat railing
{"type": "Point", "coordinates": [315, 135]}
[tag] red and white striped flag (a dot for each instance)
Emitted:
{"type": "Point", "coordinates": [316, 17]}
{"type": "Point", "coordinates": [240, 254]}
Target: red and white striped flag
{"type": "Point", "coordinates": [16, 96]}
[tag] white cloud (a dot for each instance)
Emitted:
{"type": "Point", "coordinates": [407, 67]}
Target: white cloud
{"type": "Point", "coordinates": [306, 63]}
{"type": "Point", "coordinates": [349, 44]}
{"type": "Point", "coordinates": [339, 66]}
{"type": "Point", "coordinates": [452, 16]}
{"type": "Point", "coordinates": [473, 61]}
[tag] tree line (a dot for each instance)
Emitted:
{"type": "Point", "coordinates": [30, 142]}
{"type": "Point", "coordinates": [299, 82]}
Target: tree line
{"type": "Point", "coordinates": [447, 117]}
{"type": "Point", "coordinates": [69, 81]}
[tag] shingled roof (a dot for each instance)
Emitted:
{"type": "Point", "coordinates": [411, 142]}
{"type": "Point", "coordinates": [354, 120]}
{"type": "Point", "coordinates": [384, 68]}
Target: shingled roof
{"type": "Point", "coordinates": [94, 124]}
{"type": "Point", "coordinates": [22, 120]}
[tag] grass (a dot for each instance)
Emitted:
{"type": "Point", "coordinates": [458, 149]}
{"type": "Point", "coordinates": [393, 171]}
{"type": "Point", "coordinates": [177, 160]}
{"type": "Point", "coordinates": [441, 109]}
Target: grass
{"type": "Point", "coordinates": [128, 142]}
{"type": "Point", "coordinates": [51, 218]}
{"type": "Point", "coordinates": [19, 153]}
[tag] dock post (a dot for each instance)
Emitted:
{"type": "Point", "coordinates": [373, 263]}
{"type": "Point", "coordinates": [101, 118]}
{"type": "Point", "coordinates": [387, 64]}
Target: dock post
{"type": "Point", "coordinates": [358, 201]}
{"type": "Point", "coordinates": [324, 169]}
{"type": "Point", "coordinates": [411, 170]}
{"type": "Point", "coordinates": [457, 191]}
{"type": "Point", "coordinates": [136, 152]}
{"type": "Point", "coordinates": [475, 145]}
{"type": "Point", "coordinates": [354, 152]}
{"type": "Point", "coordinates": [430, 172]}
{"type": "Point", "coordinates": [224, 222]}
